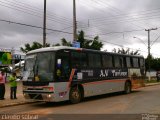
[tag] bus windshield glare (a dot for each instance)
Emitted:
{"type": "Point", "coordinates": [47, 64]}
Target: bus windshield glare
{"type": "Point", "coordinates": [39, 67]}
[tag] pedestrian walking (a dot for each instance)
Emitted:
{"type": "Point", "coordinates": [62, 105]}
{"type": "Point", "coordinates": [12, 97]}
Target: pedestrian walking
{"type": "Point", "coordinates": [13, 86]}
{"type": "Point", "coordinates": [2, 85]}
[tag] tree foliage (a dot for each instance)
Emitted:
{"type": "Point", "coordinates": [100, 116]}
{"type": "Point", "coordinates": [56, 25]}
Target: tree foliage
{"type": "Point", "coordinates": [65, 43]}
{"type": "Point", "coordinates": [153, 62]}
{"type": "Point", "coordinates": [84, 43]}
{"type": "Point", "coordinates": [89, 44]}
{"type": "Point", "coordinates": [127, 51]}
{"type": "Point", "coordinates": [34, 46]}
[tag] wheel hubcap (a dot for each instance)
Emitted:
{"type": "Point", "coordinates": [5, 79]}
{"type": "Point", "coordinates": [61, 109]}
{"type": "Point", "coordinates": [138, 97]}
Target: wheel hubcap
{"type": "Point", "coordinates": [75, 95]}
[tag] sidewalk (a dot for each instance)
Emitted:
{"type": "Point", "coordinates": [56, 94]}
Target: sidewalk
{"type": "Point", "coordinates": [151, 84]}
{"type": "Point", "coordinates": [21, 100]}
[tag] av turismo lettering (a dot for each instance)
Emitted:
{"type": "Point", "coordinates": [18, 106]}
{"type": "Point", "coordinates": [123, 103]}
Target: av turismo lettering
{"type": "Point", "coordinates": [113, 73]}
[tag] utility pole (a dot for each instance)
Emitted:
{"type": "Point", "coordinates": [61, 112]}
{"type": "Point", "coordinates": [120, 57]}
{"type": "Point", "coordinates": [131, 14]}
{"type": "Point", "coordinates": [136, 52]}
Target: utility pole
{"type": "Point", "coordinates": [74, 21]}
{"type": "Point", "coordinates": [149, 47]}
{"type": "Point", "coordinates": [44, 25]}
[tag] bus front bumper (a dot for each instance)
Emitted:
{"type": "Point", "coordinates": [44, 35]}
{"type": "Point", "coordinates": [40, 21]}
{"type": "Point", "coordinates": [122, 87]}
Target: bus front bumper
{"type": "Point", "coordinates": [39, 96]}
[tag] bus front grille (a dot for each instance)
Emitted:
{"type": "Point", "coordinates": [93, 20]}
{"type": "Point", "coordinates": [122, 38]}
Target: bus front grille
{"type": "Point", "coordinates": [36, 96]}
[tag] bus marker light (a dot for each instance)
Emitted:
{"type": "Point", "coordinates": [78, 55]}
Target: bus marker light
{"type": "Point", "coordinates": [48, 88]}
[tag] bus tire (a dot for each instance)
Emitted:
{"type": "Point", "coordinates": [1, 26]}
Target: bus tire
{"type": "Point", "coordinates": [127, 87]}
{"type": "Point", "coordinates": [75, 95]}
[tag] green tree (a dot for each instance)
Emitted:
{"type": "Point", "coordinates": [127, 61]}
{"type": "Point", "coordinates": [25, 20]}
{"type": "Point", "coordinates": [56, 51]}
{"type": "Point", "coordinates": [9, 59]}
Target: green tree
{"type": "Point", "coordinates": [65, 43]}
{"type": "Point", "coordinates": [84, 43]}
{"type": "Point", "coordinates": [57, 44]}
{"type": "Point", "coordinates": [34, 46]}
{"type": "Point", "coordinates": [154, 63]}
{"type": "Point", "coordinates": [127, 51]}
{"type": "Point", "coordinates": [89, 44]}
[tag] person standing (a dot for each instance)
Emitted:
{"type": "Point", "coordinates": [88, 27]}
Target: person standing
{"type": "Point", "coordinates": [13, 85]}
{"type": "Point", "coordinates": [2, 85]}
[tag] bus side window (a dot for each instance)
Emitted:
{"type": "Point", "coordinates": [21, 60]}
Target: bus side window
{"type": "Point", "coordinates": [107, 61]}
{"type": "Point", "coordinates": [121, 62]}
{"type": "Point", "coordinates": [117, 62]}
{"type": "Point", "coordinates": [131, 59]}
{"type": "Point", "coordinates": [78, 59]}
{"type": "Point", "coordinates": [62, 66]}
{"type": "Point", "coordinates": [124, 62]}
{"type": "Point", "coordinates": [135, 62]}
{"type": "Point", "coordinates": [141, 62]}
{"type": "Point", "coordinates": [94, 60]}
{"type": "Point", "coordinates": [128, 62]}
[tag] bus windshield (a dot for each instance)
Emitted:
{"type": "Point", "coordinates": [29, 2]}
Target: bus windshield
{"type": "Point", "coordinates": [39, 67]}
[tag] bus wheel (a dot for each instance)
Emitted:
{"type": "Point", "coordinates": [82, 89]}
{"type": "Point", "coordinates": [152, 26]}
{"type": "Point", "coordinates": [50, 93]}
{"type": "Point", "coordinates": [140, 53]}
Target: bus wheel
{"type": "Point", "coordinates": [75, 95]}
{"type": "Point", "coordinates": [127, 88]}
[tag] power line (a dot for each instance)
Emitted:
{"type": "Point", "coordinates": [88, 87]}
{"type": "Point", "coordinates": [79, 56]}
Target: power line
{"type": "Point", "coordinates": [33, 26]}
{"type": "Point", "coordinates": [117, 32]}
{"type": "Point", "coordinates": [127, 15]}
{"type": "Point", "coordinates": [102, 24]}
{"type": "Point", "coordinates": [118, 11]}
{"type": "Point", "coordinates": [121, 21]}
{"type": "Point", "coordinates": [35, 9]}
{"type": "Point", "coordinates": [155, 40]}
{"type": "Point", "coordinates": [115, 9]}
{"type": "Point", "coordinates": [122, 46]}
{"type": "Point", "coordinates": [33, 12]}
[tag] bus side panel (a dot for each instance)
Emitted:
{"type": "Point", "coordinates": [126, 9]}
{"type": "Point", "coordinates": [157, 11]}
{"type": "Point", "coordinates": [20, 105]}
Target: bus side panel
{"type": "Point", "coordinates": [61, 92]}
{"type": "Point", "coordinates": [103, 87]}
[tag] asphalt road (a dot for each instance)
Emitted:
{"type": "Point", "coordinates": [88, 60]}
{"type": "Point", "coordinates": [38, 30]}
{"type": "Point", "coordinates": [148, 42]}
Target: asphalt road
{"type": "Point", "coordinates": [142, 102]}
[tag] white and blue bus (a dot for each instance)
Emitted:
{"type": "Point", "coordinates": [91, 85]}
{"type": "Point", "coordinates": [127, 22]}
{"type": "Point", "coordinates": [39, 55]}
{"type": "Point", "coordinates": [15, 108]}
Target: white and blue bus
{"type": "Point", "coordinates": [61, 73]}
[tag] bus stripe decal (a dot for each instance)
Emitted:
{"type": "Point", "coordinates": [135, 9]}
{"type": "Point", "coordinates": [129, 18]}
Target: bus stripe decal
{"type": "Point", "coordinates": [99, 82]}
{"type": "Point", "coordinates": [71, 78]}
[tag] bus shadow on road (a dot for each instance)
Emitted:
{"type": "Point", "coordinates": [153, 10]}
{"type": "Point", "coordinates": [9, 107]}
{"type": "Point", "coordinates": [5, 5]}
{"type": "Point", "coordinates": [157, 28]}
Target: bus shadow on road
{"type": "Point", "coordinates": [52, 104]}
{"type": "Point", "coordinates": [88, 99]}
{"type": "Point", "coordinates": [108, 95]}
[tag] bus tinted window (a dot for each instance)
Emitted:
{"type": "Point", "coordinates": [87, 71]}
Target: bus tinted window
{"type": "Point", "coordinates": [124, 62]}
{"type": "Point", "coordinates": [107, 61]}
{"type": "Point", "coordinates": [118, 61]}
{"type": "Point", "coordinates": [79, 59]}
{"type": "Point", "coordinates": [141, 61]}
{"type": "Point", "coordinates": [135, 62]}
{"type": "Point", "coordinates": [94, 60]}
{"type": "Point", "coordinates": [128, 62]}
{"type": "Point", "coordinates": [121, 61]}
{"type": "Point", "coordinates": [62, 65]}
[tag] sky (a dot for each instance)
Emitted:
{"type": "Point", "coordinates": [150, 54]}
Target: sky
{"type": "Point", "coordinates": [118, 23]}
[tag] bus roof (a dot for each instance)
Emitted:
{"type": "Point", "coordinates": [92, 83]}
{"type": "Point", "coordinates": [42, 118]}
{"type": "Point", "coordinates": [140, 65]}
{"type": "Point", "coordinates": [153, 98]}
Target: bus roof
{"type": "Point", "coordinates": [56, 48]}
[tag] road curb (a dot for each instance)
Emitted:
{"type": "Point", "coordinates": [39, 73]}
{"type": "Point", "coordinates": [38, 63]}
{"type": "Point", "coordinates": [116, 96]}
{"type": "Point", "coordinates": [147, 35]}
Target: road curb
{"type": "Point", "coordinates": [151, 84]}
{"type": "Point", "coordinates": [18, 103]}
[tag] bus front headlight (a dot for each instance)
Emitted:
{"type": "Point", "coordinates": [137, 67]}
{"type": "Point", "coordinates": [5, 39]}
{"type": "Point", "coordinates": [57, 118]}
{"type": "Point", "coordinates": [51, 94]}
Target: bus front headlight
{"type": "Point", "coordinates": [49, 96]}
